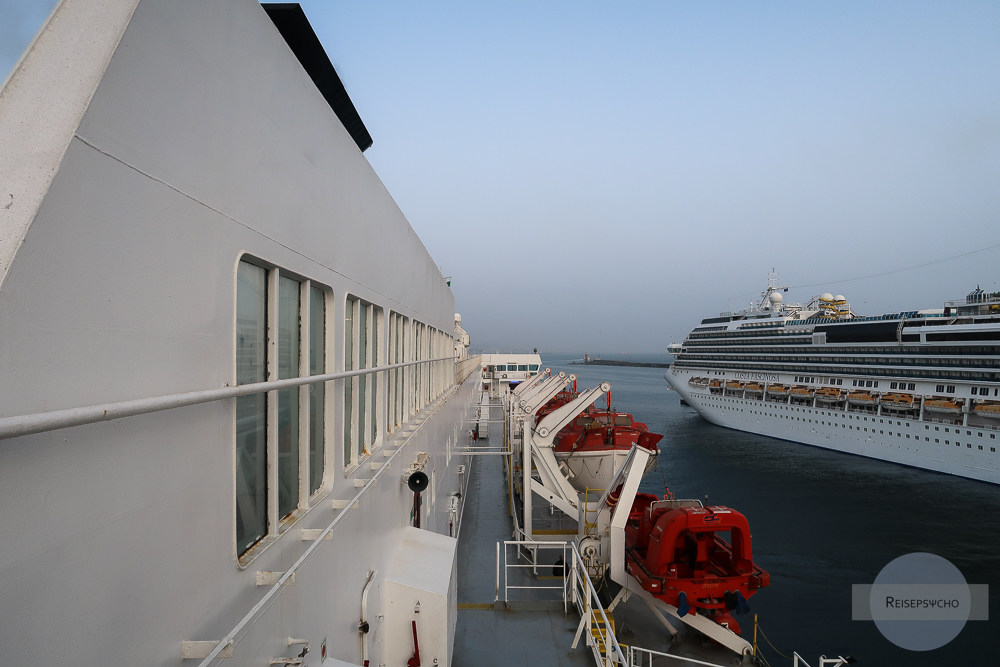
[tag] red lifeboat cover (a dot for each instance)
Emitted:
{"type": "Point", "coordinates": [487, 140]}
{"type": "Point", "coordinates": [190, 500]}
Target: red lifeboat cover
{"type": "Point", "coordinates": [603, 431]}
{"type": "Point", "coordinates": [680, 556]}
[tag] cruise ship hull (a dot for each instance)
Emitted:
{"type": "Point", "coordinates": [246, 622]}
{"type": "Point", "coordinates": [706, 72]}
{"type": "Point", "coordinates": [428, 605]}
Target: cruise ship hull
{"type": "Point", "coordinates": [929, 443]}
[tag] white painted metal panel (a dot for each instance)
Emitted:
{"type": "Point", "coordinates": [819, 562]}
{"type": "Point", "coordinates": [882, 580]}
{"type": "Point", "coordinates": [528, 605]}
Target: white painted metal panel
{"type": "Point", "coordinates": [421, 586]}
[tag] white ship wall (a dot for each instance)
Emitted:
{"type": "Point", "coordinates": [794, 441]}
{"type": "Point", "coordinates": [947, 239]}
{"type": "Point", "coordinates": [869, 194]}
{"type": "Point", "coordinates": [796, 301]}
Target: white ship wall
{"type": "Point", "coordinates": [204, 140]}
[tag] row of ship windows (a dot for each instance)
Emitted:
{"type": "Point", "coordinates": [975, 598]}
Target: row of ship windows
{"type": "Point", "coordinates": [889, 349]}
{"type": "Point", "coordinates": [860, 428]}
{"type": "Point", "coordinates": [511, 367]}
{"type": "Point", "coordinates": [979, 376]}
{"type": "Point", "coordinates": [284, 450]}
{"type": "Point", "coordinates": [946, 362]}
{"type": "Point", "coordinates": [758, 337]}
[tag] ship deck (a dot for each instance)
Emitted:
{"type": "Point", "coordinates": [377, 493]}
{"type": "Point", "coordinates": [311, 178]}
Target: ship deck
{"type": "Point", "coordinates": [532, 631]}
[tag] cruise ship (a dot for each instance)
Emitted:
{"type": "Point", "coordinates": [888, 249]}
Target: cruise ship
{"type": "Point", "coordinates": [918, 387]}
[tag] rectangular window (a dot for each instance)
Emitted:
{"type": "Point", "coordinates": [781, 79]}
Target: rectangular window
{"type": "Point", "coordinates": [251, 411]}
{"type": "Point", "coordinates": [362, 321]}
{"type": "Point", "coordinates": [276, 441]}
{"type": "Point", "coordinates": [317, 392]}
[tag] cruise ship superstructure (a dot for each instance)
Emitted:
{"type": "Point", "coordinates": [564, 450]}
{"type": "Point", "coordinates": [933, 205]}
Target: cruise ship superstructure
{"type": "Point", "coordinates": [919, 387]}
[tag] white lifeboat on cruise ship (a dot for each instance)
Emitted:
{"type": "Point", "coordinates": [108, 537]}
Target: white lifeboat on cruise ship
{"type": "Point", "coordinates": [898, 401]}
{"type": "Point", "coordinates": [863, 398]}
{"type": "Point", "coordinates": [943, 405]}
{"type": "Point", "coordinates": [829, 395]}
{"type": "Point", "coordinates": [988, 409]}
{"type": "Point", "coordinates": [801, 392]}
{"type": "Point", "coordinates": [777, 391]}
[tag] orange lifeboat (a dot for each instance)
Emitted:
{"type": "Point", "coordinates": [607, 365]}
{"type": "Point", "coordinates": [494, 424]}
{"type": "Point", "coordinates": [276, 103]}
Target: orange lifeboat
{"type": "Point", "coordinates": [734, 388]}
{"type": "Point", "coordinates": [896, 401]}
{"type": "Point", "coordinates": [829, 395]}
{"type": "Point", "coordinates": [988, 409]}
{"type": "Point", "coordinates": [943, 405]}
{"type": "Point", "coordinates": [777, 391]}
{"type": "Point", "coordinates": [801, 393]}
{"type": "Point", "coordinates": [863, 398]}
{"type": "Point", "coordinates": [675, 550]}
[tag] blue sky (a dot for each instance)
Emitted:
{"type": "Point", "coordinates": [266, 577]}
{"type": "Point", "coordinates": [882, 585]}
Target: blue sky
{"type": "Point", "coordinates": [597, 177]}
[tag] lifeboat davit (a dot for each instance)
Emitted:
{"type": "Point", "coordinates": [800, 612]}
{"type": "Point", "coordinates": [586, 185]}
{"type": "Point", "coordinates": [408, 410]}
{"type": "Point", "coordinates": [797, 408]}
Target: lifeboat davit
{"type": "Point", "coordinates": [675, 550]}
{"type": "Point", "coordinates": [556, 402]}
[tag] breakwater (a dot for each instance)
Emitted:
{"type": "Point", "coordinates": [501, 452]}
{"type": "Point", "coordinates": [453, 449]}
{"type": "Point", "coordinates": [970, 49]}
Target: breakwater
{"type": "Point", "coordinates": [614, 362]}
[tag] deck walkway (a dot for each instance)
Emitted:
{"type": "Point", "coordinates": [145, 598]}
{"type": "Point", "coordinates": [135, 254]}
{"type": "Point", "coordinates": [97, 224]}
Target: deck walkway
{"type": "Point", "coordinates": [489, 634]}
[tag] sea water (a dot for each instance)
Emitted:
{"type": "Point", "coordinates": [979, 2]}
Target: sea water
{"type": "Point", "coordinates": [821, 522]}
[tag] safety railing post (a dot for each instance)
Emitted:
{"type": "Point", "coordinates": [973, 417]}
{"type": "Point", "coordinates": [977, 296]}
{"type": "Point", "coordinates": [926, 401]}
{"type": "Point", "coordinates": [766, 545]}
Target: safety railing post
{"type": "Point", "coordinates": [496, 585]}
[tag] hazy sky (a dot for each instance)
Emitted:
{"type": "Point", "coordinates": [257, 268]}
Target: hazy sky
{"type": "Point", "coordinates": [597, 177]}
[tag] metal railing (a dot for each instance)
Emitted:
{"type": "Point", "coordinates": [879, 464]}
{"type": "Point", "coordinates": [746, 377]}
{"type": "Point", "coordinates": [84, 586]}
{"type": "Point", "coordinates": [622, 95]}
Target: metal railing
{"type": "Point", "coordinates": [643, 657]}
{"type": "Point", "coordinates": [13, 427]}
{"type": "Point", "coordinates": [465, 368]}
{"type": "Point", "coordinates": [576, 589]}
{"type": "Point", "coordinates": [823, 661]}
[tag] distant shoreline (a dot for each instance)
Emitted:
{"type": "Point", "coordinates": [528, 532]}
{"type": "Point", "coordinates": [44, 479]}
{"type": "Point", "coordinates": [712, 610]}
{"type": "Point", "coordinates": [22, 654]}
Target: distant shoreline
{"type": "Point", "coordinates": [613, 362]}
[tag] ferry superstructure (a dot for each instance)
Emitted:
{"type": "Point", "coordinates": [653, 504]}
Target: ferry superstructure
{"type": "Point", "coordinates": [225, 355]}
{"type": "Point", "coordinates": [919, 387]}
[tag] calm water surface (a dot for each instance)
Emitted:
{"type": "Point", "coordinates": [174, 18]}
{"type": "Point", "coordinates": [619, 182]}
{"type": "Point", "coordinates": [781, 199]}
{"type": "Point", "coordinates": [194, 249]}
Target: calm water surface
{"type": "Point", "coordinates": [821, 522]}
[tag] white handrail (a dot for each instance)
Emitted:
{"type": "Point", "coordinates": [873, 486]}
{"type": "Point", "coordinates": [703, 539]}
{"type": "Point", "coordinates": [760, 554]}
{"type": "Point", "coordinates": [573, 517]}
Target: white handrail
{"type": "Point", "coordinates": [13, 427]}
{"type": "Point", "coordinates": [635, 651]}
